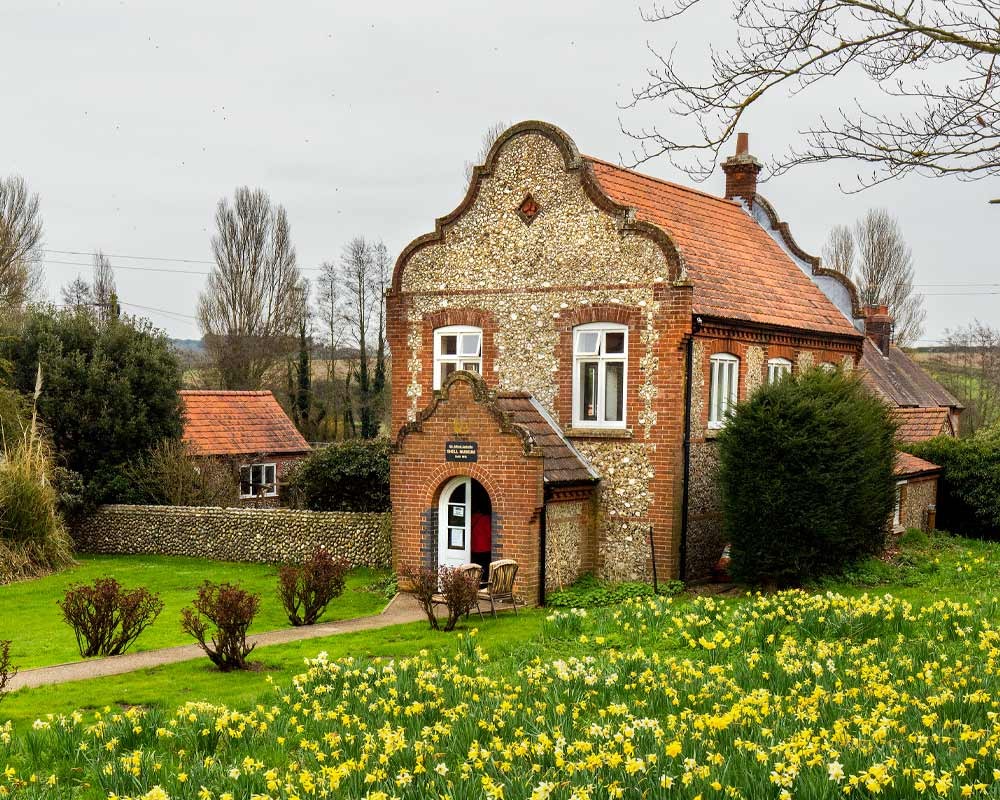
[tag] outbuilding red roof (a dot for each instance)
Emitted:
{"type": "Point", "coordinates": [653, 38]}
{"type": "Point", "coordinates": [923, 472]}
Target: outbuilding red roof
{"type": "Point", "coordinates": [739, 272]}
{"type": "Point", "coordinates": [909, 466]}
{"type": "Point", "coordinates": [920, 424]}
{"type": "Point", "coordinates": [222, 423]}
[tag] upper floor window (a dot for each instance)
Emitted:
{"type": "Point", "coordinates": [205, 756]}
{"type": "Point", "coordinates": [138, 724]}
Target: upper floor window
{"type": "Point", "coordinates": [778, 368]}
{"type": "Point", "coordinates": [600, 357]}
{"type": "Point", "coordinates": [723, 388]}
{"type": "Point", "coordinates": [828, 366]}
{"type": "Point", "coordinates": [457, 347]}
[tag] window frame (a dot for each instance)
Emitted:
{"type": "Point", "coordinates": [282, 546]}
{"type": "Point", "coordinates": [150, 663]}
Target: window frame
{"type": "Point", "coordinates": [603, 359]}
{"type": "Point", "coordinates": [263, 465]}
{"type": "Point", "coordinates": [717, 412]}
{"type": "Point", "coordinates": [440, 359]}
{"type": "Point", "coordinates": [827, 366]}
{"type": "Point", "coordinates": [772, 364]}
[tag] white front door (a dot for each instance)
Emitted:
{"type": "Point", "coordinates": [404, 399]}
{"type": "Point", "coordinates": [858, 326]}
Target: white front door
{"type": "Point", "coordinates": [455, 517]}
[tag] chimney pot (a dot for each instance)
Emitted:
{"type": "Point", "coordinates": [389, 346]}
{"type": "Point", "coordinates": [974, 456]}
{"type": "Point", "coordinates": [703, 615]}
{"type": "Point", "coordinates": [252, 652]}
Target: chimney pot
{"type": "Point", "coordinates": [741, 171]}
{"type": "Point", "coordinates": [878, 327]}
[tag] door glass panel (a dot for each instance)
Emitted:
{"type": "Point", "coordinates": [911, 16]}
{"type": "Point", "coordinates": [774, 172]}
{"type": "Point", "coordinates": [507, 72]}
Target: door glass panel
{"type": "Point", "coordinates": [470, 344]}
{"type": "Point", "coordinates": [614, 342]}
{"type": "Point", "coordinates": [457, 494]}
{"type": "Point", "coordinates": [449, 345]}
{"type": "Point", "coordinates": [614, 391]}
{"type": "Point", "coordinates": [588, 390]}
{"type": "Point", "coordinates": [456, 514]}
{"type": "Point", "coordinates": [587, 342]}
{"type": "Point", "coordinates": [456, 538]}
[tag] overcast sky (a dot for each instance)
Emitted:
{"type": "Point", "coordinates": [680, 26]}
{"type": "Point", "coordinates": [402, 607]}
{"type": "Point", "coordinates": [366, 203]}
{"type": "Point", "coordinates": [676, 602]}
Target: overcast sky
{"type": "Point", "coordinates": [131, 120]}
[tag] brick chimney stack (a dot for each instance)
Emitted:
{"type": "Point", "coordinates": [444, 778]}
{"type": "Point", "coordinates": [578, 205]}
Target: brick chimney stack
{"type": "Point", "coordinates": [878, 327]}
{"type": "Point", "coordinates": [741, 171]}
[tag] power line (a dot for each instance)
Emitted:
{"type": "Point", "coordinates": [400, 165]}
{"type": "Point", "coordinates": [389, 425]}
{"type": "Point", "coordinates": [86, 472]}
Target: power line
{"type": "Point", "coordinates": [130, 268]}
{"type": "Point", "coordinates": [145, 258]}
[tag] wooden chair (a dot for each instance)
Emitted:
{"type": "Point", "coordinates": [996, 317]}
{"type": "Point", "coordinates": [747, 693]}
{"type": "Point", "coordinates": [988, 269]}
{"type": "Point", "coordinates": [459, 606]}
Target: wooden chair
{"type": "Point", "coordinates": [474, 571]}
{"type": "Point", "coordinates": [500, 584]}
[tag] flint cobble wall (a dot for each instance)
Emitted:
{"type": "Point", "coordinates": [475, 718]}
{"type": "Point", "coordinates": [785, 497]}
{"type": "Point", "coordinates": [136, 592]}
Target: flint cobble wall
{"type": "Point", "coordinates": [266, 535]}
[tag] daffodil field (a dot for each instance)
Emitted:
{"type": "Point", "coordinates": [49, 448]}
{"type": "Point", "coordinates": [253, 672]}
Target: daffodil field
{"type": "Point", "coordinates": [775, 696]}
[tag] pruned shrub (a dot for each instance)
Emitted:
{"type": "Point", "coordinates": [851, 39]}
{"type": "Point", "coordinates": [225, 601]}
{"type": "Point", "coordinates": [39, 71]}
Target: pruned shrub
{"type": "Point", "coordinates": [218, 619]}
{"type": "Point", "coordinates": [806, 473]}
{"type": "Point", "coordinates": [969, 496]}
{"type": "Point", "coordinates": [306, 589]}
{"type": "Point", "coordinates": [458, 589]}
{"type": "Point", "coordinates": [106, 617]}
{"type": "Point", "coordinates": [7, 669]}
{"type": "Point", "coordinates": [347, 476]}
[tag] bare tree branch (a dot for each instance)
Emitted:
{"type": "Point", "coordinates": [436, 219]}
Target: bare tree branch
{"type": "Point", "coordinates": [253, 297]}
{"type": "Point", "coordinates": [885, 274]}
{"type": "Point", "coordinates": [935, 63]}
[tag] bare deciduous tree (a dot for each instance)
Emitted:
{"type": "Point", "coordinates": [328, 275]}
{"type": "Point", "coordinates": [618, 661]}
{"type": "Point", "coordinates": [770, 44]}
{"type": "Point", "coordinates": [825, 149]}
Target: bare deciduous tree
{"type": "Point", "coordinates": [105, 289]}
{"type": "Point", "coordinates": [77, 294]}
{"type": "Point", "coordinates": [20, 243]}
{"type": "Point", "coordinates": [885, 274]}
{"type": "Point", "coordinates": [838, 252]}
{"type": "Point", "coordinates": [356, 264]}
{"type": "Point", "coordinates": [489, 137]}
{"type": "Point", "coordinates": [251, 303]}
{"type": "Point", "coordinates": [971, 370]}
{"type": "Point", "coordinates": [934, 62]}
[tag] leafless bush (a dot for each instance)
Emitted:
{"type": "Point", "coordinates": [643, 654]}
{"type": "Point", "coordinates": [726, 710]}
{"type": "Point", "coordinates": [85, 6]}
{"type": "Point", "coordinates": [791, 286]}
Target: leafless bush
{"type": "Point", "coordinates": [457, 588]}
{"type": "Point", "coordinates": [230, 610]}
{"type": "Point", "coordinates": [106, 617]}
{"type": "Point", "coordinates": [168, 475]}
{"type": "Point", "coordinates": [306, 589]}
{"type": "Point", "coordinates": [7, 670]}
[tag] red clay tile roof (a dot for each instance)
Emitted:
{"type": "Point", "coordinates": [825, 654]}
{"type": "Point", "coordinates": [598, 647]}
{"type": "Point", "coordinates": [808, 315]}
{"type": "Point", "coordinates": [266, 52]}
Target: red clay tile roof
{"type": "Point", "coordinates": [739, 271]}
{"type": "Point", "coordinates": [218, 423]}
{"type": "Point", "coordinates": [562, 462]}
{"type": "Point", "coordinates": [920, 424]}
{"type": "Point", "coordinates": [901, 380]}
{"type": "Point", "coordinates": [908, 466]}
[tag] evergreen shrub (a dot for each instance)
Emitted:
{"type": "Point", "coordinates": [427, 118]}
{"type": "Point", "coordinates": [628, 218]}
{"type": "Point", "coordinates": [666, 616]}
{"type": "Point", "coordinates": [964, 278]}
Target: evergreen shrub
{"type": "Point", "coordinates": [806, 475]}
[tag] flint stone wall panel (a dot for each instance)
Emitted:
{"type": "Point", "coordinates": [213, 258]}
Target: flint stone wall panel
{"type": "Point", "coordinates": [264, 535]}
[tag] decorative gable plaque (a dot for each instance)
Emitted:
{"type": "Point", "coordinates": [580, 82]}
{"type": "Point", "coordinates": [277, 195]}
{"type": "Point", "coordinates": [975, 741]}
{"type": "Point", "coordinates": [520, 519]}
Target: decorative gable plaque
{"type": "Point", "coordinates": [528, 209]}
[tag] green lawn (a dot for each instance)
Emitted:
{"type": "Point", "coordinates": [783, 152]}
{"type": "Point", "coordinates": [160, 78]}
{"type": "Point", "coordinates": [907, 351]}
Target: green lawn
{"type": "Point", "coordinates": [31, 619]}
{"type": "Point", "coordinates": [747, 694]}
{"type": "Point", "coordinates": [169, 686]}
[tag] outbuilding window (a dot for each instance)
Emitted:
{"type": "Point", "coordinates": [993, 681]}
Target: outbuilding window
{"type": "Point", "coordinates": [778, 368]}
{"type": "Point", "coordinates": [600, 365]}
{"type": "Point", "coordinates": [258, 480]}
{"type": "Point", "coordinates": [723, 387]}
{"type": "Point", "coordinates": [457, 347]}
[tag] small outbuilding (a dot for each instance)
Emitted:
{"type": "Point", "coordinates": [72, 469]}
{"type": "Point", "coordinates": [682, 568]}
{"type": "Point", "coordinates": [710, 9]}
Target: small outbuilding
{"type": "Point", "coordinates": [249, 430]}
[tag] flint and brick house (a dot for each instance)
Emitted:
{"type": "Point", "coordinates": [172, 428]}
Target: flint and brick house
{"type": "Point", "coordinates": [566, 344]}
{"type": "Point", "coordinates": [248, 430]}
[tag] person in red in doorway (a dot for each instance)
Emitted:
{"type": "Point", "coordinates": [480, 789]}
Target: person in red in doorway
{"type": "Point", "coordinates": [482, 540]}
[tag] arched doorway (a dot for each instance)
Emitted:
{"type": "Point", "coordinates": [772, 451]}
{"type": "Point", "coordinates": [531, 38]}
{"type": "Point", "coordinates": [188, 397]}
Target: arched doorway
{"type": "Point", "coordinates": [465, 524]}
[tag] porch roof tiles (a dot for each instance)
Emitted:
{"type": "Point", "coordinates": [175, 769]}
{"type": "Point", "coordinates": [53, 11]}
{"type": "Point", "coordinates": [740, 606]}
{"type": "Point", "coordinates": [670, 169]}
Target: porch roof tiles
{"type": "Point", "coordinates": [563, 463]}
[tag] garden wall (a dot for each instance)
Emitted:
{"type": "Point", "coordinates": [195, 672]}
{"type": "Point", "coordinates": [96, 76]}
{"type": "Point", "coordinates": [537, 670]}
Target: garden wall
{"type": "Point", "coordinates": [236, 534]}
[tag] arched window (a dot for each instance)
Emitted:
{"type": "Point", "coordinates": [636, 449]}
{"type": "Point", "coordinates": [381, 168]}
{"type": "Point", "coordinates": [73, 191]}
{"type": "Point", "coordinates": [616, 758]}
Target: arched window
{"type": "Point", "coordinates": [600, 365]}
{"type": "Point", "coordinates": [778, 368]}
{"type": "Point", "coordinates": [723, 387]}
{"type": "Point", "coordinates": [457, 347]}
{"type": "Point", "coordinates": [828, 366]}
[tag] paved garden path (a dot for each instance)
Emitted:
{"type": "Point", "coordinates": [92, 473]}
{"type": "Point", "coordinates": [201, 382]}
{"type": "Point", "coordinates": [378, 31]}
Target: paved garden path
{"type": "Point", "coordinates": [403, 608]}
